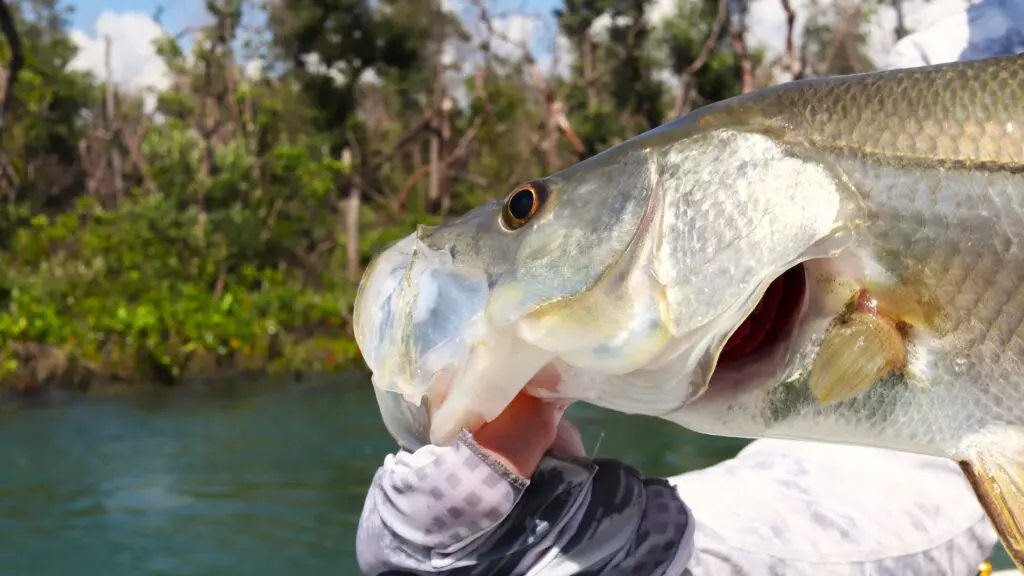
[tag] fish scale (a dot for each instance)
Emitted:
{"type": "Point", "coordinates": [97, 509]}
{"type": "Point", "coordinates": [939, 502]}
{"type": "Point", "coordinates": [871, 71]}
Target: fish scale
{"type": "Point", "coordinates": [954, 112]}
{"type": "Point", "coordinates": [898, 195]}
{"type": "Point", "coordinates": [973, 301]}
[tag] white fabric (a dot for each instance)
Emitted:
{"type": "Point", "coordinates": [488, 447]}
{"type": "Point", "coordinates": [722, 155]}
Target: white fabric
{"type": "Point", "coordinates": [792, 508]}
{"type": "Point", "coordinates": [983, 30]}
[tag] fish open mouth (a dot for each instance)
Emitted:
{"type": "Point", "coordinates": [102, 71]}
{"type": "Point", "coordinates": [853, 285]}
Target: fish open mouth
{"type": "Point", "coordinates": [768, 325]}
{"type": "Point", "coordinates": [420, 330]}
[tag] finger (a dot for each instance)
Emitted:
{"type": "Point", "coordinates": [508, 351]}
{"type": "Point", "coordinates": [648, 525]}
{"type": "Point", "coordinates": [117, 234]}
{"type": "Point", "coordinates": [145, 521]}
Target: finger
{"type": "Point", "coordinates": [525, 430]}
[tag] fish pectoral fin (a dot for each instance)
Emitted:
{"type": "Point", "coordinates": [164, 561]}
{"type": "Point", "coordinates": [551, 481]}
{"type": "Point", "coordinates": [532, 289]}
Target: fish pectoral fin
{"type": "Point", "coordinates": [993, 462]}
{"type": "Point", "coordinates": [855, 354]}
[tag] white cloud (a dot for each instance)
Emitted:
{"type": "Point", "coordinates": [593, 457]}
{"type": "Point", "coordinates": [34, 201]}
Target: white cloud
{"type": "Point", "coordinates": [314, 64]}
{"type": "Point", "coordinates": [536, 32]}
{"type": "Point", "coordinates": [766, 23]}
{"type": "Point", "coordinates": [541, 36]}
{"type": "Point", "coordinates": [253, 68]}
{"type": "Point", "coordinates": [370, 76]}
{"type": "Point", "coordinates": [561, 63]}
{"type": "Point", "coordinates": [455, 6]}
{"type": "Point", "coordinates": [514, 31]}
{"type": "Point", "coordinates": [135, 66]}
{"type": "Point", "coordinates": [660, 9]}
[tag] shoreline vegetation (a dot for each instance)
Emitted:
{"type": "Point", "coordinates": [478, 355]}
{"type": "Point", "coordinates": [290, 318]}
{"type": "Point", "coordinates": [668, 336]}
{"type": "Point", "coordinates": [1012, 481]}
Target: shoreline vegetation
{"type": "Point", "coordinates": [43, 368]}
{"type": "Point", "coordinates": [217, 221]}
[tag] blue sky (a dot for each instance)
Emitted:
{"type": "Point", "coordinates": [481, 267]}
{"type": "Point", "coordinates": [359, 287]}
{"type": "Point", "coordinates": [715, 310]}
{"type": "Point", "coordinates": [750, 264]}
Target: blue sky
{"type": "Point", "coordinates": [181, 13]}
{"type": "Point", "coordinates": [136, 66]}
{"type": "Point", "coordinates": [177, 13]}
{"type": "Point", "coordinates": [135, 62]}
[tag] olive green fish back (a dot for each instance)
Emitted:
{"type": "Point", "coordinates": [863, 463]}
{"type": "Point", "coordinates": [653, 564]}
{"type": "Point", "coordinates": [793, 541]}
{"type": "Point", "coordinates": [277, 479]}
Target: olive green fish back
{"type": "Point", "coordinates": [900, 117]}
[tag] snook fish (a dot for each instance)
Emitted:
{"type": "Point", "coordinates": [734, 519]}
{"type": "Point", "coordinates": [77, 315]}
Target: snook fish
{"type": "Point", "coordinates": [833, 259]}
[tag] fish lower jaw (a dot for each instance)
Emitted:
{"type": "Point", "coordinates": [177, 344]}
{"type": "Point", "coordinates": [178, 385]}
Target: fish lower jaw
{"type": "Point", "coordinates": [482, 383]}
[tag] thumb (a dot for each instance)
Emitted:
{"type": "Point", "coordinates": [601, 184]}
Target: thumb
{"type": "Point", "coordinates": [568, 439]}
{"type": "Point", "coordinates": [522, 433]}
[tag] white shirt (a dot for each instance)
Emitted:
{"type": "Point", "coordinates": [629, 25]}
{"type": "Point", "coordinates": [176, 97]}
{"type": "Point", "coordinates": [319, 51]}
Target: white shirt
{"type": "Point", "coordinates": [983, 30]}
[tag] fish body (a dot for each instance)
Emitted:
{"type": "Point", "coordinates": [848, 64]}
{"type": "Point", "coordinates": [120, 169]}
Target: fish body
{"type": "Point", "coordinates": [834, 259]}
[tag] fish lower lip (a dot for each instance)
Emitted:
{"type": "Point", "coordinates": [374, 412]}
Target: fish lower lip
{"type": "Point", "coordinates": [495, 369]}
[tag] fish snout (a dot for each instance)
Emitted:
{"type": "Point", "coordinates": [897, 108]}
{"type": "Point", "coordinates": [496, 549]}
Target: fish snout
{"type": "Point", "coordinates": [415, 317]}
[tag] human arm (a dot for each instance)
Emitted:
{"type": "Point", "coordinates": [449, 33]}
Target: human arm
{"type": "Point", "coordinates": [807, 509]}
{"type": "Point", "coordinates": [779, 507]}
{"type": "Point", "coordinates": [503, 503]}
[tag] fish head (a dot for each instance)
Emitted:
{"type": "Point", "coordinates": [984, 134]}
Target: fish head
{"type": "Point", "coordinates": [454, 320]}
{"type": "Point", "coordinates": [636, 274]}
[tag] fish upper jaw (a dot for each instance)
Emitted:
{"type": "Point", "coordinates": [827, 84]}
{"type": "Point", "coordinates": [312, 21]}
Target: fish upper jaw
{"type": "Point", "coordinates": [439, 361]}
{"type": "Point", "coordinates": [416, 315]}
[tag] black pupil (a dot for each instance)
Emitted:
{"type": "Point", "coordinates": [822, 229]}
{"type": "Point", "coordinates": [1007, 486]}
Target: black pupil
{"type": "Point", "coordinates": [521, 204]}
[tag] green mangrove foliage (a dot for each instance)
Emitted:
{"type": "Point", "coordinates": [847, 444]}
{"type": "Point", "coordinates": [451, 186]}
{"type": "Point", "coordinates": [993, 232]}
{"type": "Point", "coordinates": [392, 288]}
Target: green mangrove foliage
{"type": "Point", "coordinates": [222, 223]}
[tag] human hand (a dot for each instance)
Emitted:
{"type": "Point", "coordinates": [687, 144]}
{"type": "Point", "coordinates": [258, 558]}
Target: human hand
{"type": "Point", "coordinates": [529, 427]}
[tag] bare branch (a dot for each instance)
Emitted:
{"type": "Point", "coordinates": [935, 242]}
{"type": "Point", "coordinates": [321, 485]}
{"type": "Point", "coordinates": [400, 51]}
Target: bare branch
{"type": "Point", "coordinates": [406, 139]}
{"type": "Point", "coordinates": [351, 203]}
{"type": "Point", "coordinates": [227, 37]}
{"type": "Point", "coordinates": [901, 24]}
{"type": "Point", "coordinates": [686, 78]}
{"type": "Point", "coordinates": [842, 36]}
{"type": "Point", "coordinates": [792, 62]}
{"type": "Point", "coordinates": [738, 32]}
{"type": "Point", "coordinates": [132, 139]}
{"type": "Point", "coordinates": [555, 119]}
{"type": "Point", "coordinates": [460, 151]}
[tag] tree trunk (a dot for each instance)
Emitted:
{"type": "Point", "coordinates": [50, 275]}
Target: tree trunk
{"type": "Point", "coordinates": [116, 162]}
{"type": "Point", "coordinates": [17, 60]}
{"type": "Point", "coordinates": [436, 181]}
{"type": "Point", "coordinates": [587, 54]}
{"type": "Point", "coordinates": [351, 218]}
{"type": "Point", "coordinates": [446, 134]}
{"type": "Point", "coordinates": [352, 205]}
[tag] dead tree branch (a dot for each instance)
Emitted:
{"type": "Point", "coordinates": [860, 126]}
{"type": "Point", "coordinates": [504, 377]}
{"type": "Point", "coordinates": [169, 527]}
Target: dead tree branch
{"type": "Point", "coordinates": [458, 153]}
{"type": "Point", "coordinates": [682, 105]}
{"type": "Point", "coordinates": [793, 65]}
{"type": "Point", "coordinates": [901, 23]}
{"type": "Point", "coordinates": [111, 125]}
{"type": "Point", "coordinates": [555, 121]}
{"type": "Point", "coordinates": [842, 37]}
{"type": "Point", "coordinates": [738, 32]}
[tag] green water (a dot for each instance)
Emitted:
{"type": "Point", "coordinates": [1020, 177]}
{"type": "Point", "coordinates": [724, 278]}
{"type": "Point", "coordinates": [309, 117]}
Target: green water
{"type": "Point", "coordinates": [261, 480]}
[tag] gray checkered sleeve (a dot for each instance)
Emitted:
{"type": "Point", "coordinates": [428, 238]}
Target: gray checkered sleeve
{"type": "Point", "coordinates": [454, 510]}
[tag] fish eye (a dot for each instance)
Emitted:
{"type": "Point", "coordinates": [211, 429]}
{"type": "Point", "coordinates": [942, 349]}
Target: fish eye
{"type": "Point", "coordinates": [522, 204]}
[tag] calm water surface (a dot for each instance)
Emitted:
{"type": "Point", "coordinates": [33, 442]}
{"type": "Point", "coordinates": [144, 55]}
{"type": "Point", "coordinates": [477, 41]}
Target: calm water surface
{"type": "Point", "coordinates": [266, 480]}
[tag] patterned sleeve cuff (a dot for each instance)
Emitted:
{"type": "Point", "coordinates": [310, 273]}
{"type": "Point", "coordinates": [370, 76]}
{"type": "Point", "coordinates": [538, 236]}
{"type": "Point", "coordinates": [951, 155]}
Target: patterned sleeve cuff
{"type": "Point", "coordinates": [515, 480]}
{"type": "Point", "coordinates": [456, 507]}
{"type": "Point", "coordinates": [425, 508]}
